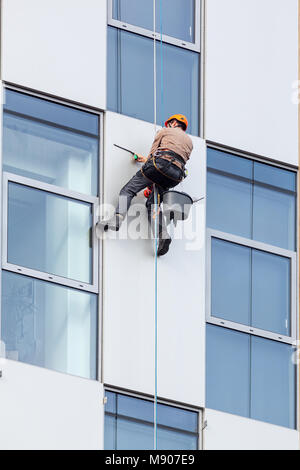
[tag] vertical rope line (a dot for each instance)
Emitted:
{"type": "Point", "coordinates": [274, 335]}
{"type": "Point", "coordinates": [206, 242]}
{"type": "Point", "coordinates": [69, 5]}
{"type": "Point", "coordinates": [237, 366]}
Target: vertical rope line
{"type": "Point", "coordinates": [154, 63]}
{"type": "Point", "coordinates": [161, 67]}
{"type": "Point", "coordinates": [156, 244]}
{"type": "Point", "coordinates": [155, 316]}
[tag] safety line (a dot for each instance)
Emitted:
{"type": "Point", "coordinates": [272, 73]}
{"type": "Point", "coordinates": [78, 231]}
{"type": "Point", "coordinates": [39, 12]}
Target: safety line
{"type": "Point", "coordinates": [156, 245]}
{"type": "Point", "coordinates": [155, 315]}
{"type": "Point", "coordinates": [156, 208]}
{"type": "Point", "coordinates": [161, 67]}
{"type": "Point", "coordinates": [154, 63]}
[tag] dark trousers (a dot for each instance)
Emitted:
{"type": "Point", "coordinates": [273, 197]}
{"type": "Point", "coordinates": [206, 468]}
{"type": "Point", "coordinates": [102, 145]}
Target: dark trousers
{"type": "Point", "coordinates": [169, 178]}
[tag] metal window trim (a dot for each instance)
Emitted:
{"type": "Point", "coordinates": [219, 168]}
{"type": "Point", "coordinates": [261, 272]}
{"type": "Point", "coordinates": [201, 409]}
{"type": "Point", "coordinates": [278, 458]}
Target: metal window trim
{"type": "Point", "coordinates": [146, 397]}
{"type": "Point", "coordinates": [132, 394]}
{"type": "Point", "coordinates": [53, 99]}
{"type": "Point", "coordinates": [1, 202]}
{"type": "Point", "coordinates": [100, 249]}
{"type": "Point", "coordinates": [49, 188]}
{"type": "Point", "coordinates": [261, 247]}
{"type": "Point", "coordinates": [150, 423]}
{"type": "Point", "coordinates": [254, 182]}
{"type": "Point", "coordinates": [42, 276]}
{"type": "Point", "coordinates": [51, 123]}
{"type": "Point", "coordinates": [168, 39]}
{"type": "Point", "coordinates": [251, 156]}
{"type": "Point", "coordinates": [34, 184]}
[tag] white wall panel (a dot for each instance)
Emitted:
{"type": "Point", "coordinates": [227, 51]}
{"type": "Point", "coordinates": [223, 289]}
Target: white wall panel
{"type": "Point", "coordinates": [229, 432]}
{"type": "Point", "coordinates": [251, 65]}
{"type": "Point", "coordinates": [129, 283]}
{"type": "Point", "coordinates": [56, 46]}
{"type": "Point", "coordinates": [42, 409]}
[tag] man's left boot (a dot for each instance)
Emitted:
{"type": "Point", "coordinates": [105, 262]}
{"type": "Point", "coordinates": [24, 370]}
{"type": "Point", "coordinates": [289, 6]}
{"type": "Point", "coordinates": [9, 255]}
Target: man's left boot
{"type": "Point", "coordinates": [164, 245]}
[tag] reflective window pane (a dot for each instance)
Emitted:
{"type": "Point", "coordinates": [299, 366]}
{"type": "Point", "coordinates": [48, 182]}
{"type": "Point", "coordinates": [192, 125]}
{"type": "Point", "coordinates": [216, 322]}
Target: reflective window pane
{"type": "Point", "coordinates": [273, 380]}
{"type": "Point", "coordinates": [230, 281]}
{"type": "Point", "coordinates": [250, 376]}
{"type": "Point", "coordinates": [50, 154]}
{"type": "Point", "coordinates": [132, 94]}
{"type": "Point", "coordinates": [111, 404]}
{"type": "Point", "coordinates": [134, 425]}
{"type": "Point", "coordinates": [135, 53]}
{"type": "Point", "coordinates": [239, 200]}
{"type": "Point", "coordinates": [49, 233]}
{"type": "Point", "coordinates": [135, 408]}
{"type": "Point", "coordinates": [55, 113]}
{"type": "Point", "coordinates": [168, 439]}
{"type": "Point", "coordinates": [134, 435]}
{"type": "Point", "coordinates": [232, 164]}
{"type": "Point", "coordinates": [48, 325]}
{"type": "Point", "coordinates": [178, 94]}
{"type": "Point", "coordinates": [227, 370]}
{"type": "Point", "coordinates": [174, 18]}
{"type": "Point", "coordinates": [177, 418]}
{"type": "Point", "coordinates": [134, 12]}
{"type": "Point", "coordinates": [274, 216]}
{"type": "Point", "coordinates": [229, 205]}
{"type": "Point", "coordinates": [275, 176]}
{"type": "Point", "coordinates": [271, 290]}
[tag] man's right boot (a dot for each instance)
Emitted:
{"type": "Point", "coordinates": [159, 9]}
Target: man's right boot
{"type": "Point", "coordinates": [114, 223]}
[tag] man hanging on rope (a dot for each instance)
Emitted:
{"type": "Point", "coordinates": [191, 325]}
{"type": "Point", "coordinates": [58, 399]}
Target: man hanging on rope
{"type": "Point", "coordinates": [165, 167]}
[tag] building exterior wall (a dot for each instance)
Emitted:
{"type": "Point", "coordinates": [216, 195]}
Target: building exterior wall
{"type": "Point", "coordinates": [41, 409]}
{"type": "Point", "coordinates": [129, 293]}
{"type": "Point", "coordinates": [58, 48]}
{"type": "Point", "coordinates": [251, 68]}
{"type": "Point", "coordinates": [229, 432]}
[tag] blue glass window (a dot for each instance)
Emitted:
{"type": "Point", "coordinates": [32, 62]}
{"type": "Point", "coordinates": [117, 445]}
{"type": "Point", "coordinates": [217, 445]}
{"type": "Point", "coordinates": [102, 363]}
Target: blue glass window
{"type": "Point", "coordinates": [50, 142]}
{"type": "Point", "coordinates": [130, 79]}
{"type": "Point", "coordinates": [230, 281]}
{"type": "Point", "coordinates": [129, 425]}
{"type": "Point", "coordinates": [251, 199]}
{"type": "Point", "coordinates": [48, 325]}
{"type": "Point", "coordinates": [49, 233]}
{"type": "Point", "coordinates": [174, 18]}
{"type": "Point", "coordinates": [250, 287]}
{"type": "Point", "coordinates": [250, 376]}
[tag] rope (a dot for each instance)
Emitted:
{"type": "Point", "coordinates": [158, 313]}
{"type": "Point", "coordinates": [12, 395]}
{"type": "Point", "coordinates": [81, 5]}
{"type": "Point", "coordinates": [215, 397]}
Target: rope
{"type": "Point", "coordinates": [161, 68]}
{"type": "Point", "coordinates": [154, 63]}
{"type": "Point", "coordinates": [156, 205]}
{"type": "Point", "coordinates": [156, 245]}
{"type": "Point", "coordinates": [155, 315]}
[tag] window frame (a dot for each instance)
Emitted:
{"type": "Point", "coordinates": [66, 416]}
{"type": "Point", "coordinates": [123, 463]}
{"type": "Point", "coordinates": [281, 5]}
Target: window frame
{"type": "Point", "coordinates": [58, 191]}
{"type": "Point", "coordinates": [184, 407]}
{"type": "Point", "coordinates": [150, 34]}
{"type": "Point", "coordinates": [98, 200]}
{"type": "Point", "coordinates": [212, 233]}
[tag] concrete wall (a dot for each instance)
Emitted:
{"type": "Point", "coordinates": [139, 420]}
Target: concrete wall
{"type": "Point", "coordinates": [57, 47]}
{"type": "Point", "coordinates": [229, 432]}
{"type": "Point", "coordinates": [42, 409]}
{"type": "Point", "coordinates": [251, 65]}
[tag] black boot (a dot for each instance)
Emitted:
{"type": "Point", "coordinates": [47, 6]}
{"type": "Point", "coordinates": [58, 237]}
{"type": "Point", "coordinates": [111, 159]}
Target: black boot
{"type": "Point", "coordinates": [163, 246]}
{"type": "Point", "coordinates": [114, 223]}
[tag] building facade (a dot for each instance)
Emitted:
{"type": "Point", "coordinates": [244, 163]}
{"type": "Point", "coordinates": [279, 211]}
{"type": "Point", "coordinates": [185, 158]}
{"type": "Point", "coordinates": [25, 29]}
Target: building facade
{"type": "Point", "coordinates": [101, 346]}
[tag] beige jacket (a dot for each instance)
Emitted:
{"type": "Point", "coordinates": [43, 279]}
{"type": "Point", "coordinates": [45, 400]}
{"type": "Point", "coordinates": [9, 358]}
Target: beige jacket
{"type": "Point", "coordinates": [174, 139]}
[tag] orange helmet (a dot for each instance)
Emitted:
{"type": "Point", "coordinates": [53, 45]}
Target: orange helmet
{"type": "Point", "coordinates": [180, 118]}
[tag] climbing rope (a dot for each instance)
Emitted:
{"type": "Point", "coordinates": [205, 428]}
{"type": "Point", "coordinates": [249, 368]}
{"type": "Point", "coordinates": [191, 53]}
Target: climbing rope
{"type": "Point", "coordinates": [156, 211]}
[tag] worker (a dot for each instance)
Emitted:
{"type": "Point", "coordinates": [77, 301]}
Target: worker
{"type": "Point", "coordinates": [164, 166]}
